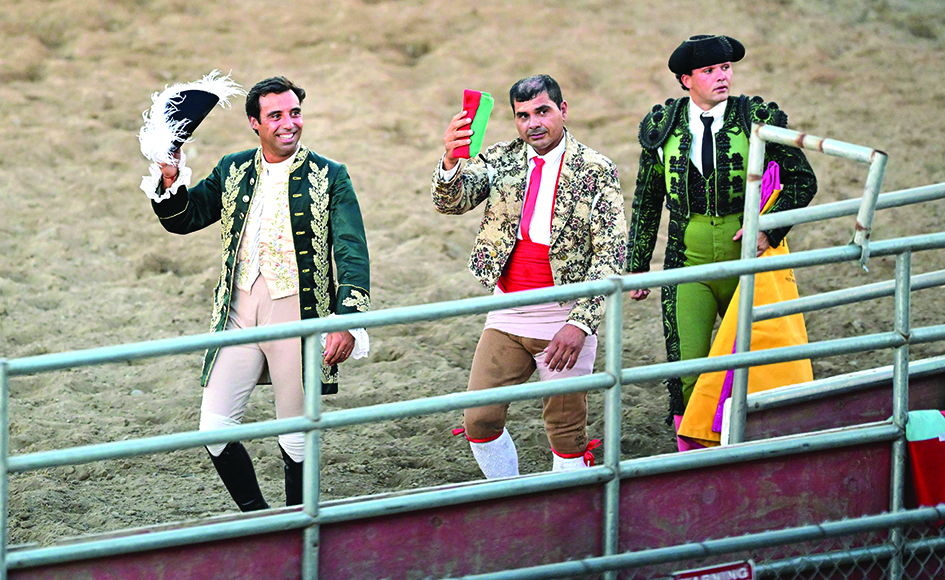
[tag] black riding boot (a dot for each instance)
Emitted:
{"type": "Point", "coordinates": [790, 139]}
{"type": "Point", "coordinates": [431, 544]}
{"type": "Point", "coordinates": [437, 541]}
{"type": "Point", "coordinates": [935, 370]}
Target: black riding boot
{"type": "Point", "coordinates": [236, 470]}
{"type": "Point", "coordinates": [293, 479]}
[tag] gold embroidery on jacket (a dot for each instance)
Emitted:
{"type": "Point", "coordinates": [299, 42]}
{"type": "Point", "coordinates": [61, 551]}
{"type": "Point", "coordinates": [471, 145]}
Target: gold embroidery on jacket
{"type": "Point", "coordinates": [231, 189]}
{"type": "Point", "coordinates": [358, 300]}
{"type": "Point", "coordinates": [318, 179]}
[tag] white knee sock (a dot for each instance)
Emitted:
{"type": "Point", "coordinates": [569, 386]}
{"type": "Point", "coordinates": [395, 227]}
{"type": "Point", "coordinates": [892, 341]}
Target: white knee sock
{"type": "Point", "coordinates": [567, 464]}
{"type": "Point", "coordinates": [497, 458]}
{"type": "Point", "coordinates": [211, 421]}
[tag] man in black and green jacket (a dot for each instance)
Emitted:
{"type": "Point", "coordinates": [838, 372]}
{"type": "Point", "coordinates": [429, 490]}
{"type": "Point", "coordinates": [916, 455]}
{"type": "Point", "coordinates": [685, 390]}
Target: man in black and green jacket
{"type": "Point", "coordinates": [695, 155]}
{"type": "Point", "coordinates": [293, 248]}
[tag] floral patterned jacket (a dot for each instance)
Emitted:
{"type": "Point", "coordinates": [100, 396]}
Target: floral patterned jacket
{"type": "Point", "coordinates": [326, 223]}
{"type": "Point", "coordinates": [588, 227]}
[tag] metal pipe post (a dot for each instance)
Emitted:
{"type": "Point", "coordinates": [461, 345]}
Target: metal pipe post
{"type": "Point", "coordinates": [612, 415]}
{"type": "Point", "coordinates": [746, 282]}
{"type": "Point", "coordinates": [900, 404]}
{"type": "Point", "coordinates": [311, 362]}
{"type": "Point", "coordinates": [864, 218]}
{"type": "Point", "coordinates": [4, 454]}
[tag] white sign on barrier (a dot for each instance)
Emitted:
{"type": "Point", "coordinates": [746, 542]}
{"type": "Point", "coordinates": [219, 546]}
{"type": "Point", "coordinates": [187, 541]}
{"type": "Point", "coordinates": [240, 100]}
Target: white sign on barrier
{"type": "Point", "coordinates": [732, 571]}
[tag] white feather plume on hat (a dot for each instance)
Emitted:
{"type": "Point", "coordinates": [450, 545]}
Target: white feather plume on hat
{"type": "Point", "coordinates": [162, 130]}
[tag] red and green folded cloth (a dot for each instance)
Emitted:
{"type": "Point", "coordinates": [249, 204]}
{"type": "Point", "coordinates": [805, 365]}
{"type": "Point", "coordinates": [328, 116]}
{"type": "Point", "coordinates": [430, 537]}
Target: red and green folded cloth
{"type": "Point", "coordinates": [478, 107]}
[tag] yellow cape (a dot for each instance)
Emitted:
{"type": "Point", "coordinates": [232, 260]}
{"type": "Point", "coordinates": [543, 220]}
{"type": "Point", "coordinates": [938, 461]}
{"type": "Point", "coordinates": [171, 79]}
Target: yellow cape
{"type": "Point", "coordinates": [790, 330]}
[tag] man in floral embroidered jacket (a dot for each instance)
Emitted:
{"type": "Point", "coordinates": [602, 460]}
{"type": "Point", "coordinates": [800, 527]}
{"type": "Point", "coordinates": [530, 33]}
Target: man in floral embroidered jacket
{"type": "Point", "coordinates": [554, 215]}
{"type": "Point", "coordinates": [701, 174]}
{"type": "Point", "coordinates": [285, 212]}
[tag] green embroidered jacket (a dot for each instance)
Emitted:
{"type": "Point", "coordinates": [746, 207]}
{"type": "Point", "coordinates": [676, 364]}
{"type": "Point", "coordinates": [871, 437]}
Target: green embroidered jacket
{"type": "Point", "coordinates": [326, 222]}
{"type": "Point", "coordinates": [666, 177]}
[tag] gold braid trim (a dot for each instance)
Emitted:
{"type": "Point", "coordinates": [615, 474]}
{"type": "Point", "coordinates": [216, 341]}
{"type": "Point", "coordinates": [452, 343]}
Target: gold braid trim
{"type": "Point", "coordinates": [231, 189]}
{"type": "Point", "coordinates": [358, 300]}
{"type": "Point", "coordinates": [318, 180]}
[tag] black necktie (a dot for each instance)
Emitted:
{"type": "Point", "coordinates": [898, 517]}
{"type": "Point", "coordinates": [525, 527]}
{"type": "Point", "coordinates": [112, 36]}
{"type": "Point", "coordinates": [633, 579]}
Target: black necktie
{"type": "Point", "coordinates": [708, 154]}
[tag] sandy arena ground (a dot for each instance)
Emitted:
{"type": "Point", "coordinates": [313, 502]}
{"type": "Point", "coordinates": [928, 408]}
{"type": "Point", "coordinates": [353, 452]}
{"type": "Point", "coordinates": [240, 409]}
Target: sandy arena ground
{"type": "Point", "coordinates": [86, 264]}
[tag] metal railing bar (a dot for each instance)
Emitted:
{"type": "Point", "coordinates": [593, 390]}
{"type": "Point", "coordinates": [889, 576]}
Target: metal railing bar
{"type": "Point", "coordinates": [708, 548]}
{"type": "Point", "coordinates": [156, 540]}
{"type": "Point", "coordinates": [763, 357]}
{"type": "Point", "coordinates": [755, 450]}
{"type": "Point", "coordinates": [180, 345]}
{"type": "Point", "coordinates": [732, 268]}
{"type": "Point", "coordinates": [487, 490]}
{"type": "Point", "coordinates": [900, 406]}
{"type": "Point", "coordinates": [311, 466]}
{"type": "Point", "coordinates": [157, 444]}
{"type": "Point", "coordinates": [806, 258]}
{"type": "Point", "coordinates": [927, 334]}
{"type": "Point", "coordinates": [792, 138]}
{"type": "Point", "coordinates": [4, 466]}
{"type": "Point", "coordinates": [330, 420]}
{"type": "Point", "coordinates": [613, 415]}
{"type": "Point", "coordinates": [801, 564]}
{"type": "Point", "coordinates": [454, 401]}
{"type": "Point", "coordinates": [849, 207]}
{"type": "Point", "coordinates": [464, 400]}
{"type": "Point", "coordinates": [913, 547]}
{"type": "Point", "coordinates": [311, 516]}
{"type": "Point", "coordinates": [845, 296]}
{"type": "Point", "coordinates": [746, 282]}
{"type": "Point", "coordinates": [423, 312]}
{"type": "Point", "coordinates": [864, 218]}
{"type": "Point", "coordinates": [838, 385]}
{"type": "Point", "coordinates": [911, 244]}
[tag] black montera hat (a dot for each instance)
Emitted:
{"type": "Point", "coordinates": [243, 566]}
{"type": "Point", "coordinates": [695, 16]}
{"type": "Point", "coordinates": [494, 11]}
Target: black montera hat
{"type": "Point", "coordinates": [704, 50]}
{"type": "Point", "coordinates": [178, 111]}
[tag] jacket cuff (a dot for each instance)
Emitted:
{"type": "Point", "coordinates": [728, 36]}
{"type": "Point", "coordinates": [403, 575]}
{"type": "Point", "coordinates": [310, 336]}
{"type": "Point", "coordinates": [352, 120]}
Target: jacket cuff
{"type": "Point", "coordinates": [582, 326]}
{"type": "Point", "coordinates": [352, 299]}
{"type": "Point", "coordinates": [151, 183]}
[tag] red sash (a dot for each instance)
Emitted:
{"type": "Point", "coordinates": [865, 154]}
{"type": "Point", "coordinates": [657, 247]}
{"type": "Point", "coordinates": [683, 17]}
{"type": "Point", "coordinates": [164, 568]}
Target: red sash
{"type": "Point", "coordinates": [528, 267]}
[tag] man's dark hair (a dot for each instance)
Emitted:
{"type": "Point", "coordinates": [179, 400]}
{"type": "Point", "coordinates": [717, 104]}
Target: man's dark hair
{"type": "Point", "coordinates": [269, 86]}
{"type": "Point", "coordinates": [529, 88]}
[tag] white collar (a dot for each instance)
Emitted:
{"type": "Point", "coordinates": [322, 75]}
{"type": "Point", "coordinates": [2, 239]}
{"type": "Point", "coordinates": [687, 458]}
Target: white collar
{"type": "Point", "coordinates": [280, 166]}
{"type": "Point", "coordinates": [716, 112]}
{"type": "Point", "coordinates": [552, 156]}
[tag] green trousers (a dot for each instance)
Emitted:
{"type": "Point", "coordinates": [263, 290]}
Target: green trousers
{"type": "Point", "coordinates": [698, 305]}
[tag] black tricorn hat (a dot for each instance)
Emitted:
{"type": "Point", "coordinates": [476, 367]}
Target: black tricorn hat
{"type": "Point", "coordinates": [178, 110]}
{"type": "Point", "coordinates": [193, 108]}
{"type": "Point", "coordinates": [704, 50]}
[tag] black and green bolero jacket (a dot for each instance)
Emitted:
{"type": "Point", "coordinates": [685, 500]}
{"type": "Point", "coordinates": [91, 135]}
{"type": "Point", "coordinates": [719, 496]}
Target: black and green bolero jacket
{"type": "Point", "coordinates": [663, 175]}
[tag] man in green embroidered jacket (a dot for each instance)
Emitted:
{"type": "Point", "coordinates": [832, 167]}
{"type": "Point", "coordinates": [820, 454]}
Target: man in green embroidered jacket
{"type": "Point", "coordinates": [695, 152]}
{"type": "Point", "coordinates": [285, 213]}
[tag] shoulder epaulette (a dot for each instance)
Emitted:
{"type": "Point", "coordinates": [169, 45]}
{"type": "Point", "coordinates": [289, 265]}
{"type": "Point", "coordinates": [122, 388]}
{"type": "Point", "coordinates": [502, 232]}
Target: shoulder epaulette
{"type": "Point", "coordinates": [756, 110]}
{"type": "Point", "coordinates": [659, 123]}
